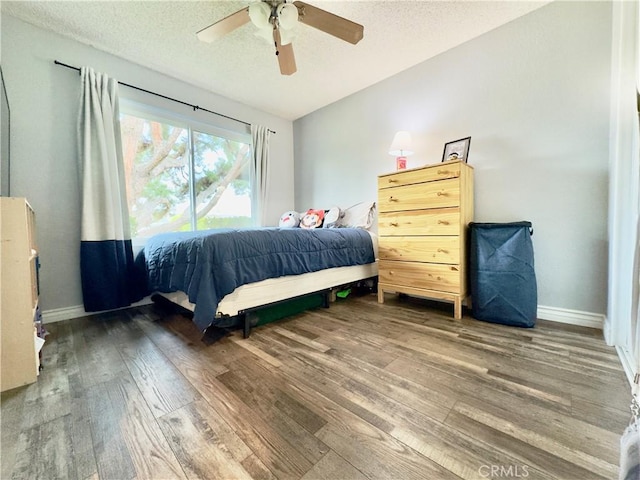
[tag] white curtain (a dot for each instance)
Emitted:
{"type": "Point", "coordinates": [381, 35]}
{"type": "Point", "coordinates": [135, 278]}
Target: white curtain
{"type": "Point", "coordinates": [260, 139]}
{"type": "Point", "coordinates": [106, 257]}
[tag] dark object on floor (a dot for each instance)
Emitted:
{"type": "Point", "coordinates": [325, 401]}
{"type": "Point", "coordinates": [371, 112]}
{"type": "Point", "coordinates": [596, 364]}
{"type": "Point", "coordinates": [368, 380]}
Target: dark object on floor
{"type": "Point", "coordinates": [167, 304]}
{"type": "Point", "coordinates": [213, 334]}
{"type": "Point", "coordinates": [502, 278]}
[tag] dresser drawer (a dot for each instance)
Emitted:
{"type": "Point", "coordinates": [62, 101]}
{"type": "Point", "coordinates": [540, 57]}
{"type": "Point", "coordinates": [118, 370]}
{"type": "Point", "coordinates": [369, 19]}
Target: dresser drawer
{"type": "Point", "coordinates": [420, 249]}
{"type": "Point", "coordinates": [430, 276]}
{"type": "Point", "coordinates": [444, 193]}
{"type": "Point", "coordinates": [422, 175]}
{"type": "Point", "coordinates": [445, 221]}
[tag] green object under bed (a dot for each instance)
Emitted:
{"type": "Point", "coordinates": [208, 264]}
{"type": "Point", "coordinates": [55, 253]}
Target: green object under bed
{"type": "Point", "coordinates": [292, 307]}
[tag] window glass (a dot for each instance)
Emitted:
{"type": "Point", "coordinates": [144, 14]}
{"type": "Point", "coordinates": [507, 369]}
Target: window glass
{"type": "Point", "coordinates": [181, 176]}
{"type": "Point", "coordinates": [222, 175]}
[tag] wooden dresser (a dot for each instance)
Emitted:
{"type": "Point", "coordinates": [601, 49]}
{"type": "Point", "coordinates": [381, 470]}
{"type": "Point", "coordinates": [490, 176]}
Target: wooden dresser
{"type": "Point", "coordinates": [422, 223]}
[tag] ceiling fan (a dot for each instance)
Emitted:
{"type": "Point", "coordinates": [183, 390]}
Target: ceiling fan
{"type": "Point", "coordinates": [277, 19]}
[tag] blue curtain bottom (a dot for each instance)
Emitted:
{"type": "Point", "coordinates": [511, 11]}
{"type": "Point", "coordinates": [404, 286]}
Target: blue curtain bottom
{"type": "Point", "coordinates": [108, 274]}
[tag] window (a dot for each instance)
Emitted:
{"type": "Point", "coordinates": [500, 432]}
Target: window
{"type": "Point", "coordinates": [181, 175]}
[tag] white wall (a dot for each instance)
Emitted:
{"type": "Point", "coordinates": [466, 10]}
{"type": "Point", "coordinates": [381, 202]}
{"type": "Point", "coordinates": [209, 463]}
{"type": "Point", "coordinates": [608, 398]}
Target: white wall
{"type": "Point", "coordinates": [4, 138]}
{"type": "Point", "coordinates": [44, 103]}
{"type": "Point", "coordinates": [534, 97]}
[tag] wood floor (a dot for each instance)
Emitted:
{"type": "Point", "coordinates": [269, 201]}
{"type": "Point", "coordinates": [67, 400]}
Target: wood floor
{"type": "Point", "coordinates": [356, 391]}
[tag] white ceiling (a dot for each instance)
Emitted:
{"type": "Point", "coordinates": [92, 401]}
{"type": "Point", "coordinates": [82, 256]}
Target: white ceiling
{"type": "Point", "coordinates": [161, 35]}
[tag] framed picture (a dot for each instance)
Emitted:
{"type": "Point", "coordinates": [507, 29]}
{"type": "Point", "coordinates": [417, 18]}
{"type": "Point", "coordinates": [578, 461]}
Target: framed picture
{"type": "Point", "coordinates": [457, 150]}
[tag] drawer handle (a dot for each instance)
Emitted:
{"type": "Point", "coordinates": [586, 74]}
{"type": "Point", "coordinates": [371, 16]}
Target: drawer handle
{"type": "Point", "coordinates": [392, 199]}
{"type": "Point", "coordinates": [443, 172]}
{"type": "Point", "coordinates": [442, 250]}
{"type": "Point", "coordinates": [442, 194]}
{"type": "Point", "coordinates": [443, 222]}
{"type": "Point", "coordinates": [393, 224]}
{"type": "Point", "coordinates": [393, 180]}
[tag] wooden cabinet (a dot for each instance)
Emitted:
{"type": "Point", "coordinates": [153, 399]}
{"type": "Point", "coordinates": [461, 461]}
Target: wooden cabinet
{"type": "Point", "coordinates": [423, 218]}
{"type": "Point", "coordinates": [18, 293]}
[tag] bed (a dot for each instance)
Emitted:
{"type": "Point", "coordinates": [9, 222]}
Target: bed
{"type": "Point", "coordinates": [224, 275]}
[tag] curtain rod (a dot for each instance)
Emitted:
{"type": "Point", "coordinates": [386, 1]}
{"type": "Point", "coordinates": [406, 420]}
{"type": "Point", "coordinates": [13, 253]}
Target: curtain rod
{"type": "Point", "coordinates": [195, 107]}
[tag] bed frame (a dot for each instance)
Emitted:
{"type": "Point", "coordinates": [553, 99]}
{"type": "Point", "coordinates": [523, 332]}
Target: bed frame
{"type": "Point", "coordinates": [245, 300]}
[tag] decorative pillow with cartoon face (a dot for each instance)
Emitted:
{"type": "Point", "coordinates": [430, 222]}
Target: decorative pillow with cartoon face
{"type": "Point", "coordinates": [289, 219]}
{"type": "Point", "coordinates": [312, 219]}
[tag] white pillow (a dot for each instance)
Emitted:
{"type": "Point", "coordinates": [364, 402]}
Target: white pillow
{"type": "Point", "coordinates": [360, 215]}
{"type": "Point", "coordinates": [332, 217]}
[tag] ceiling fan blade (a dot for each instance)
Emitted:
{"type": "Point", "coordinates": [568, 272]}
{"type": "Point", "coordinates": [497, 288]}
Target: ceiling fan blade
{"type": "Point", "coordinates": [328, 22]}
{"type": "Point", "coordinates": [286, 59]}
{"type": "Point", "coordinates": [224, 26]}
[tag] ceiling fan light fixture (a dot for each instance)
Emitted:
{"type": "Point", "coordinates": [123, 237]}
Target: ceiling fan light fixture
{"type": "Point", "coordinates": [287, 36]}
{"type": "Point", "coordinates": [287, 15]}
{"type": "Point", "coordinates": [265, 33]}
{"type": "Point", "coordinates": [276, 21]}
{"type": "Point", "coordinates": [260, 14]}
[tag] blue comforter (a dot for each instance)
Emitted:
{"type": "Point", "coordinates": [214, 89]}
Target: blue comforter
{"type": "Point", "coordinates": [207, 265]}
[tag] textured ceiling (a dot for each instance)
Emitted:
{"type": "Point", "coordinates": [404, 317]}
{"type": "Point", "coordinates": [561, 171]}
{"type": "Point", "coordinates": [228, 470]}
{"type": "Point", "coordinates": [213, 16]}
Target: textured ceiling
{"type": "Point", "coordinates": [161, 36]}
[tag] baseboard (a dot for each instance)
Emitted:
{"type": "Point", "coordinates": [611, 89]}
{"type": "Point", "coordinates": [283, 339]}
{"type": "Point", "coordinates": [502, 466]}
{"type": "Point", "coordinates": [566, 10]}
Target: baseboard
{"type": "Point", "coordinates": [60, 314]}
{"type": "Point", "coordinates": [573, 317]}
{"type": "Point", "coordinates": [67, 313]}
{"type": "Point", "coordinates": [554, 314]}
